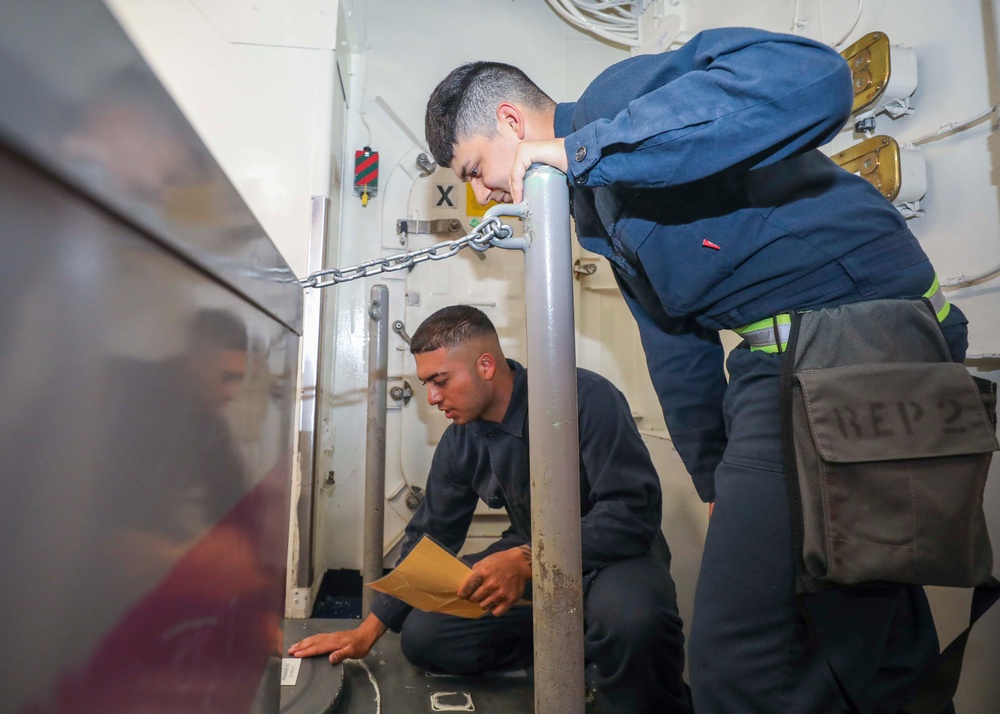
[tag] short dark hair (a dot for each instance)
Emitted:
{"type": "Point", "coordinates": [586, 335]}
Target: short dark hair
{"type": "Point", "coordinates": [450, 327]}
{"type": "Point", "coordinates": [465, 102]}
{"type": "Point", "coordinates": [217, 329]}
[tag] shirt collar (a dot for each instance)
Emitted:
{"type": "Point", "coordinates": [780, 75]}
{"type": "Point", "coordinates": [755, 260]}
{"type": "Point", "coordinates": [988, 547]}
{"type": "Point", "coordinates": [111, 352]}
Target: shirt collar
{"type": "Point", "coordinates": [563, 123]}
{"type": "Point", "coordinates": [517, 410]}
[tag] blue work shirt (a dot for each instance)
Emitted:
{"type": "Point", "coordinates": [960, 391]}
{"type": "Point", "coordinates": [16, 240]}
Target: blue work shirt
{"type": "Point", "coordinates": [695, 173]}
{"type": "Point", "coordinates": [620, 496]}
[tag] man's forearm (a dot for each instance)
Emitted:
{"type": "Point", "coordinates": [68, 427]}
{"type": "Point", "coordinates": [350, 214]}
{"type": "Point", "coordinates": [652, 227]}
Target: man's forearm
{"type": "Point", "coordinates": [372, 629]}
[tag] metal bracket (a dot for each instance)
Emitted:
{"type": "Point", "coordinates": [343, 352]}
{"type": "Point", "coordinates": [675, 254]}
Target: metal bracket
{"type": "Point", "coordinates": [375, 309]}
{"type": "Point", "coordinates": [865, 124]}
{"type": "Point", "coordinates": [414, 497]}
{"type": "Point", "coordinates": [580, 268]}
{"type": "Point", "coordinates": [403, 393]}
{"type": "Point", "coordinates": [399, 327]}
{"type": "Point", "coordinates": [407, 226]}
{"type": "Point", "coordinates": [515, 210]}
{"type": "Point", "coordinates": [425, 164]}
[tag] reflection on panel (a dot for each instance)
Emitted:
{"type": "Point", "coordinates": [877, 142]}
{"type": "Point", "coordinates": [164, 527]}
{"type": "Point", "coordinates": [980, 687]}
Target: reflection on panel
{"type": "Point", "coordinates": [145, 457]}
{"type": "Point", "coordinates": [79, 99]}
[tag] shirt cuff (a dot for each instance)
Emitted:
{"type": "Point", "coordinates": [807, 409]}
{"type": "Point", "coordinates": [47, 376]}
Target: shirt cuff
{"type": "Point", "coordinates": [390, 611]}
{"type": "Point", "coordinates": [582, 153]}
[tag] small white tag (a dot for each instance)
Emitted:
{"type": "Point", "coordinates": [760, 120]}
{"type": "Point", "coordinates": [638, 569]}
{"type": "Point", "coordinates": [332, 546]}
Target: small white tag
{"type": "Point", "coordinates": [290, 670]}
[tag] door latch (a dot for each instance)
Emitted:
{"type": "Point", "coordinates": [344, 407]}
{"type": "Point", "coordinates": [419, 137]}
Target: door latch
{"type": "Point", "coordinates": [402, 393]}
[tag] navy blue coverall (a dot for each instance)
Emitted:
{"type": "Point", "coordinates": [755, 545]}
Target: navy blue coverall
{"type": "Point", "coordinates": [696, 174]}
{"type": "Point", "coordinates": [633, 633]}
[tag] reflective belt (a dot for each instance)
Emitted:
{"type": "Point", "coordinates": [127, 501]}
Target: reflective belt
{"type": "Point", "coordinates": [938, 301]}
{"type": "Point", "coordinates": [771, 333]}
{"type": "Point", "coordinates": [768, 333]}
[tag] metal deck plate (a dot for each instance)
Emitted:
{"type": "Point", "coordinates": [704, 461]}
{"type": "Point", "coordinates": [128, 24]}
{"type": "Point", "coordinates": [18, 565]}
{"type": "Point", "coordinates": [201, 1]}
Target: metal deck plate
{"type": "Point", "coordinates": [402, 688]}
{"type": "Point", "coordinates": [319, 685]}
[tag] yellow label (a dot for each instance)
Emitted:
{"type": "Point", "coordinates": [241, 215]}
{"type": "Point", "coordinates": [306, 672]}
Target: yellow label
{"type": "Point", "coordinates": [472, 207]}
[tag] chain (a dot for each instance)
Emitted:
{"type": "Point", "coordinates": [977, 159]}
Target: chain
{"type": "Point", "coordinates": [488, 234]}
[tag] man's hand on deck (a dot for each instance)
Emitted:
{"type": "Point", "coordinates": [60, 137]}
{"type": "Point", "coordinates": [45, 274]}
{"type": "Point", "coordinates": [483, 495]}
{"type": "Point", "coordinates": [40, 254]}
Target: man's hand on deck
{"type": "Point", "coordinates": [497, 581]}
{"type": "Point", "coordinates": [350, 644]}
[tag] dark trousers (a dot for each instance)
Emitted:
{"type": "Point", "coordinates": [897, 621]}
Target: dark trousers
{"type": "Point", "coordinates": [632, 637]}
{"type": "Point", "coordinates": [750, 650]}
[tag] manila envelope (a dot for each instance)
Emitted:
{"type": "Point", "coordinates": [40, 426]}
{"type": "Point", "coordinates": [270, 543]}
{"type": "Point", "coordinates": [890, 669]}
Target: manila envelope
{"type": "Point", "coordinates": [428, 579]}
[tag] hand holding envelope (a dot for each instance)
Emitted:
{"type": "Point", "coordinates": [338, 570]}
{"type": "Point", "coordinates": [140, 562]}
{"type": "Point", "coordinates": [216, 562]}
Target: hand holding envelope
{"type": "Point", "coordinates": [428, 579]}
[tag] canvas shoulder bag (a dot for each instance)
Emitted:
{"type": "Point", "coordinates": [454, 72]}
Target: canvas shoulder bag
{"type": "Point", "coordinates": [888, 444]}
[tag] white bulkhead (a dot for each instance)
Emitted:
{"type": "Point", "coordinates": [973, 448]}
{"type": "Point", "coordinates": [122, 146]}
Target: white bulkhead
{"type": "Point", "coordinates": [284, 94]}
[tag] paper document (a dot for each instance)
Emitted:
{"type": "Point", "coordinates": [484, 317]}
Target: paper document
{"type": "Point", "coordinates": [428, 579]}
{"type": "Point", "coordinates": [290, 670]}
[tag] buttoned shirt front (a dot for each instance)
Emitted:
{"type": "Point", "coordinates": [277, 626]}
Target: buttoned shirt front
{"type": "Point", "coordinates": [695, 173]}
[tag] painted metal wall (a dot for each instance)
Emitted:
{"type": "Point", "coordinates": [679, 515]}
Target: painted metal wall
{"type": "Point", "coordinates": [388, 100]}
{"type": "Point", "coordinates": [148, 355]}
{"type": "Point", "coordinates": [257, 82]}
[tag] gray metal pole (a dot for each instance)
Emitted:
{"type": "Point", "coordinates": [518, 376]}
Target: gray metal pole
{"type": "Point", "coordinates": [554, 450]}
{"type": "Point", "coordinates": [378, 375]}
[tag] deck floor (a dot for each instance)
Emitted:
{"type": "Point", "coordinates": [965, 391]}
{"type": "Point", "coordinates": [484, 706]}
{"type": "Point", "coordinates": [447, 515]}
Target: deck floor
{"type": "Point", "coordinates": [402, 688]}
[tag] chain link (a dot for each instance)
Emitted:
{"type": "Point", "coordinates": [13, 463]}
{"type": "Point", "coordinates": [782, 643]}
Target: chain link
{"type": "Point", "coordinates": [488, 234]}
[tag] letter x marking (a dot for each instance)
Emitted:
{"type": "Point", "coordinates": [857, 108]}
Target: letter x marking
{"type": "Point", "coordinates": [444, 191]}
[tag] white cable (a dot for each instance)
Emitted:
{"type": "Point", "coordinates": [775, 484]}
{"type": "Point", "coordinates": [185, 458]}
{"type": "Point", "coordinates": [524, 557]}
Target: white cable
{"type": "Point", "coordinates": [364, 84]}
{"type": "Point", "coordinates": [604, 4]}
{"type": "Point", "coordinates": [610, 30]}
{"type": "Point", "coordinates": [796, 22]}
{"type": "Point", "coordinates": [371, 678]}
{"type": "Point", "coordinates": [963, 281]}
{"type": "Point", "coordinates": [571, 14]}
{"type": "Point", "coordinates": [362, 116]}
{"type": "Point", "coordinates": [955, 127]}
{"type": "Point", "coordinates": [627, 12]}
{"type": "Point", "coordinates": [857, 17]}
{"type": "Point", "coordinates": [616, 13]}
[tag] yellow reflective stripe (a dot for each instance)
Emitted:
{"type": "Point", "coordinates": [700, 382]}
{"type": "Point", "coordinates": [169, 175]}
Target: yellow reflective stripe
{"type": "Point", "coordinates": [938, 300]}
{"type": "Point", "coordinates": [760, 334]}
{"type": "Point", "coordinates": [767, 322]}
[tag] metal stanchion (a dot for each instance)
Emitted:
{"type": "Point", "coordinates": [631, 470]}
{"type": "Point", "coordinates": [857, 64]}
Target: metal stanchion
{"type": "Point", "coordinates": [554, 441]}
{"type": "Point", "coordinates": [378, 372]}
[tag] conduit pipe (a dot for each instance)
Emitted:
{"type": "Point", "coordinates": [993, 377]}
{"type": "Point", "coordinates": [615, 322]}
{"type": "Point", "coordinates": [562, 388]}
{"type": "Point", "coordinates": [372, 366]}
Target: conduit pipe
{"type": "Point", "coordinates": [554, 440]}
{"type": "Point", "coordinates": [378, 377]}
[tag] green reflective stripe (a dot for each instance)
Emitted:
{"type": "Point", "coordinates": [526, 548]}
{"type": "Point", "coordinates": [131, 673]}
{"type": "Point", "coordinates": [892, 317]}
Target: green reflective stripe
{"type": "Point", "coordinates": [760, 335]}
{"type": "Point", "coordinates": [938, 300]}
{"type": "Point", "coordinates": [767, 322]}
